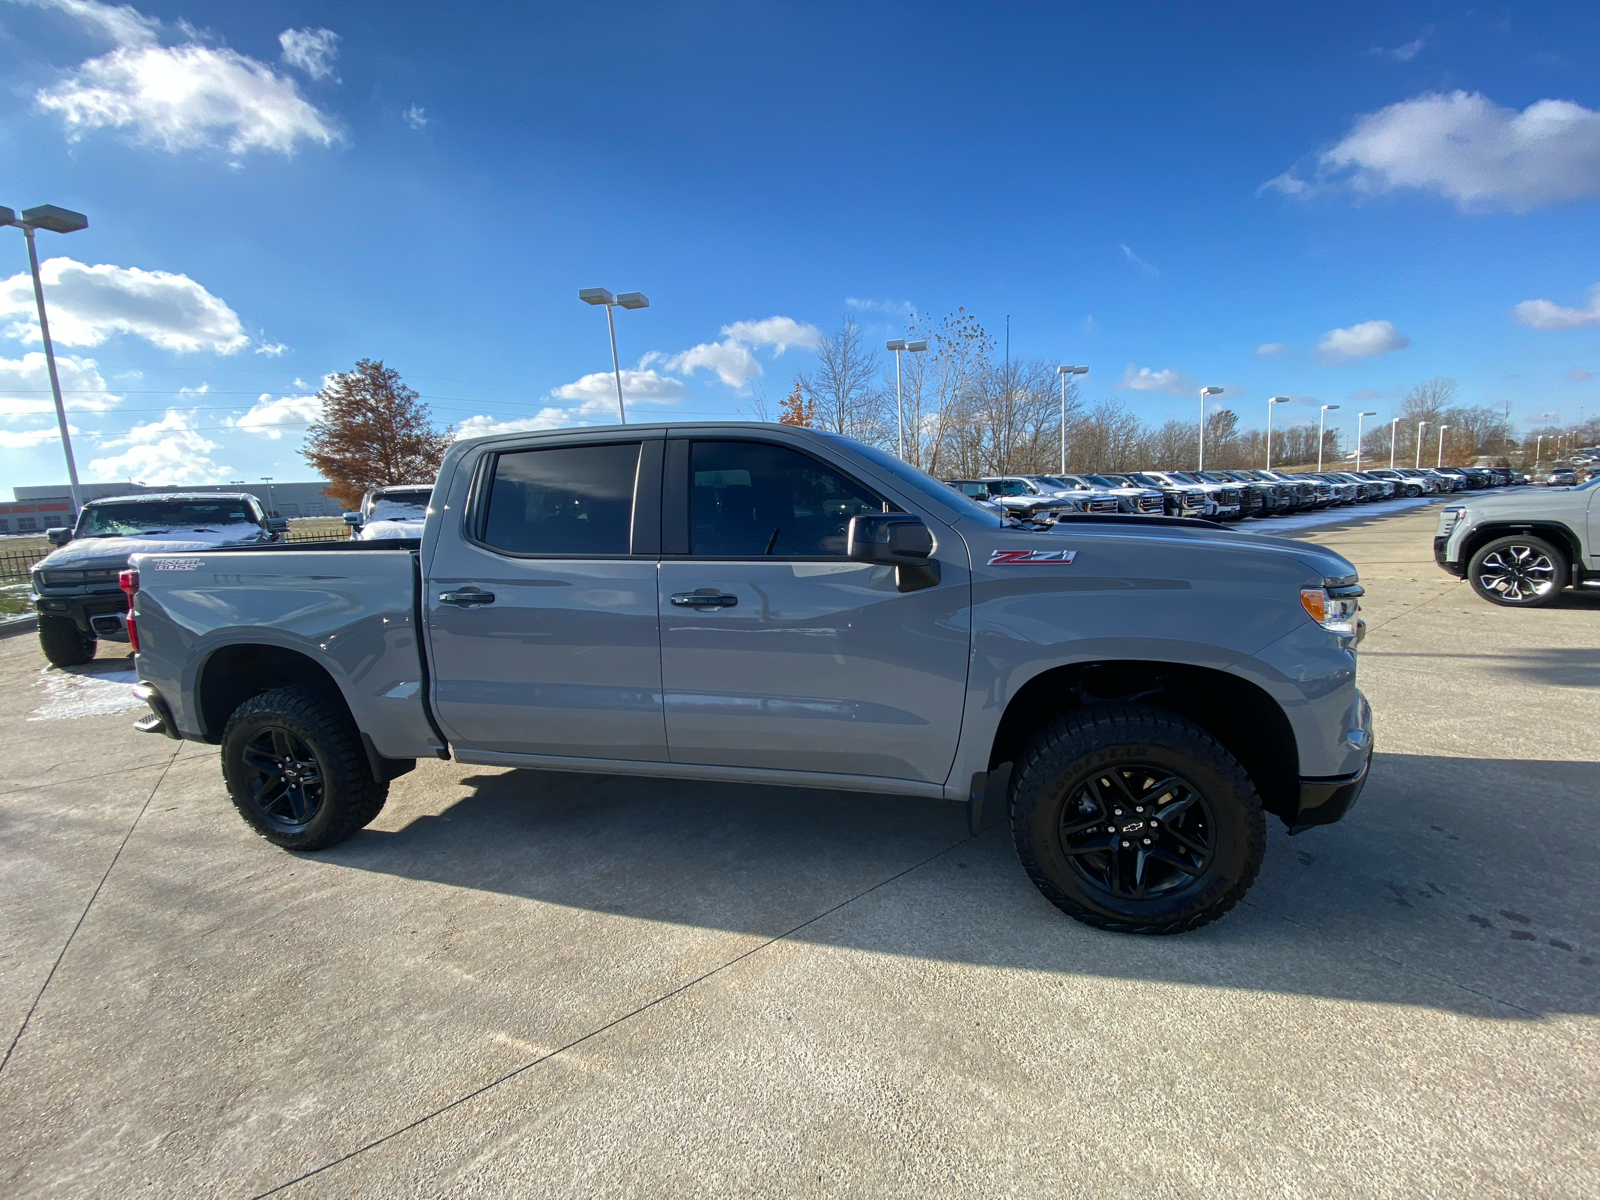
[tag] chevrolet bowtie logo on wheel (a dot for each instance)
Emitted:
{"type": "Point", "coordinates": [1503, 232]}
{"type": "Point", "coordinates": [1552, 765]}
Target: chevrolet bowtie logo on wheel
{"type": "Point", "coordinates": [1008, 558]}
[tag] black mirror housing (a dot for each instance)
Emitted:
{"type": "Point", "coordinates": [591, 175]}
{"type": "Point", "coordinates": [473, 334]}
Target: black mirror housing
{"type": "Point", "coordinates": [59, 536]}
{"type": "Point", "coordinates": [897, 540]}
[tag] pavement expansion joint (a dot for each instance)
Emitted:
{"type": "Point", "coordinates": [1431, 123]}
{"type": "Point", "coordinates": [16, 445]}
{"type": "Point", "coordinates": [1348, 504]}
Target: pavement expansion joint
{"type": "Point", "coordinates": [612, 1024]}
{"type": "Point", "coordinates": [84, 915]}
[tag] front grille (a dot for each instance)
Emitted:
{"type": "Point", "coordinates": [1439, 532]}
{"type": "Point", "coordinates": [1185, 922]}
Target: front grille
{"type": "Point", "coordinates": [1151, 504]}
{"type": "Point", "coordinates": [1103, 504]}
{"type": "Point", "coordinates": [1228, 496]}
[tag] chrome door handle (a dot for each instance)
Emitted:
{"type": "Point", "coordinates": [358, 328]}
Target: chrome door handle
{"type": "Point", "coordinates": [467, 597]}
{"type": "Point", "coordinates": [704, 598]}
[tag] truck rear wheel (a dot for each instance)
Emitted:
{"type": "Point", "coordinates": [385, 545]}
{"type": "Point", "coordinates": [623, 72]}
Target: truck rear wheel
{"type": "Point", "coordinates": [63, 643]}
{"type": "Point", "coordinates": [296, 770]}
{"type": "Point", "coordinates": [1518, 572]}
{"type": "Point", "coordinates": [1135, 820]}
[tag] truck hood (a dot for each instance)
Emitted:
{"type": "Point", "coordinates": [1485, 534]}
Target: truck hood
{"type": "Point", "coordinates": [103, 553]}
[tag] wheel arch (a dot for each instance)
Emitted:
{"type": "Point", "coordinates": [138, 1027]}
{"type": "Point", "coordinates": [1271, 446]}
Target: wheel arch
{"type": "Point", "coordinates": [1238, 713]}
{"type": "Point", "coordinates": [234, 673]}
{"type": "Point", "coordinates": [1556, 532]}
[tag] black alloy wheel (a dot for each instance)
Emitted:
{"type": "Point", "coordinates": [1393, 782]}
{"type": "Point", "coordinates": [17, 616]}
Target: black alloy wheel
{"type": "Point", "coordinates": [1518, 572]}
{"type": "Point", "coordinates": [297, 770]}
{"type": "Point", "coordinates": [1137, 832]}
{"type": "Point", "coordinates": [284, 779]}
{"type": "Point", "coordinates": [1136, 820]}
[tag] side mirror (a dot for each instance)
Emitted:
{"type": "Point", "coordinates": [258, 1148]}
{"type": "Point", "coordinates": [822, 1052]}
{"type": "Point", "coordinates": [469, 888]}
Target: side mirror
{"type": "Point", "coordinates": [58, 537]}
{"type": "Point", "coordinates": [353, 519]}
{"type": "Point", "coordinates": [898, 540]}
{"type": "Point", "coordinates": [277, 524]}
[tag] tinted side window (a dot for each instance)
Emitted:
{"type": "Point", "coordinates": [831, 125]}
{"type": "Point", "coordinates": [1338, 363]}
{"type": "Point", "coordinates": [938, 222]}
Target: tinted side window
{"type": "Point", "coordinates": [752, 499]}
{"type": "Point", "coordinates": [565, 500]}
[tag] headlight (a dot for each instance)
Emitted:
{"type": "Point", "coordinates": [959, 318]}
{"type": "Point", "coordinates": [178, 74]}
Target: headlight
{"type": "Point", "coordinates": [1335, 611]}
{"type": "Point", "coordinates": [1448, 518]}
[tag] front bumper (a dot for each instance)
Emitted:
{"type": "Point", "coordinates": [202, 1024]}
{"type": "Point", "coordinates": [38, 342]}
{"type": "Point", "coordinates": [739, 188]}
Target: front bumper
{"type": "Point", "coordinates": [1441, 555]}
{"type": "Point", "coordinates": [88, 611]}
{"type": "Point", "coordinates": [1324, 801]}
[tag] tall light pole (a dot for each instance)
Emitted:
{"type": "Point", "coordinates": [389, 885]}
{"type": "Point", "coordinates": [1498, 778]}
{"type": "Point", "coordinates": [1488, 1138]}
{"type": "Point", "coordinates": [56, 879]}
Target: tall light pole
{"type": "Point", "coordinates": [1440, 463]}
{"type": "Point", "coordinates": [56, 220]}
{"type": "Point", "coordinates": [1394, 427]}
{"type": "Point", "coordinates": [1270, 403]}
{"type": "Point", "coordinates": [1358, 436]}
{"type": "Point", "coordinates": [627, 300]}
{"type": "Point", "coordinates": [1064, 371]}
{"type": "Point", "coordinates": [272, 503]}
{"type": "Point", "coordinates": [1322, 419]}
{"type": "Point", "coordinates": [1421, 425]}
{"type": "Point", "coordinates": [1538, 452]}
{"type": "Point", "coordinates": [899, 346]}
{"type": "Point", "coordinates": [1204, 392]}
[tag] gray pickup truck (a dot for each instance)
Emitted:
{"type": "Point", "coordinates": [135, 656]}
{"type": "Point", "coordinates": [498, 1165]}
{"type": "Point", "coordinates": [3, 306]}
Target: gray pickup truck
{"type": "Point", "coordinates": [1520, 549]}
{"type": "Point", "coordinates": [770, 605]}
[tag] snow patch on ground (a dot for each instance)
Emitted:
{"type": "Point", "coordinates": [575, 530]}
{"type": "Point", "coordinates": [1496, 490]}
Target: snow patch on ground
{"type": "Point", "coordinates": [69, 694]}
{"type": "Point", "coordinates": [1334, 516]}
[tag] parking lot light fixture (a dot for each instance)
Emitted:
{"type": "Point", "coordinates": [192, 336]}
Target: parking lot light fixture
{"type": "Point", "coordinates": [1322, 419]}
{"type": "Point", "coordinates": [896, 346]}
{"type": "Point", "coordinates": [1440, 462]}
{"type": "Point", "coordinates": [1204, 392]}
{"type": "Point", "coordinates": [1394, 428]}
{"type": "Point", "coordinates": [1421, 425]}
{"type": "Point", "coordinates": [1358, 435]}
{"type": "Point", "coordinates": [1273, 400]}
{"type": "Point", "coordinates": [1064, 371]}
{"type": "Point", "coordinates": [626, 300]}
{"type": "Point", "coordinates": [56, 220]}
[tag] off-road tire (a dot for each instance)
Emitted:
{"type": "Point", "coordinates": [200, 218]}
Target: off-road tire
{"type": "Point", "coordinates": [1070, 760]}
{"type": "Point", "coordinates": [349, 796]}
{"type": "Point", "coordinates": [1518, 560]}
{"type": "Point", "coordinates": [63, 643]}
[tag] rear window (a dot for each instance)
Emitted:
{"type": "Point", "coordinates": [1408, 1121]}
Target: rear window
{"type": "Point", "coordinates": [567, 500]}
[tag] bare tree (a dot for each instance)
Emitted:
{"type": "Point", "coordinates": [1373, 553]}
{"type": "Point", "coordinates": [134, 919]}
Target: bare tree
{"type": "Point", "coordinates": [842, 389]}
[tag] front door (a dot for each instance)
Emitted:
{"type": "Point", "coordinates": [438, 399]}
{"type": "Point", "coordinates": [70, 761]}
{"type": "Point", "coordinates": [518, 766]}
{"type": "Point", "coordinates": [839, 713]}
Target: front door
{"type": "Point", "coordinates": [779, 652]}
{"type": "Point", "coordinates": [542, 613]}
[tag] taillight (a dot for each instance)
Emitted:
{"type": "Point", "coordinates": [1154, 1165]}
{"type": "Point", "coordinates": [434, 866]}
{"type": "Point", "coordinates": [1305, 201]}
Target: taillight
{"type": "Point", "coordinates": [128, 581]}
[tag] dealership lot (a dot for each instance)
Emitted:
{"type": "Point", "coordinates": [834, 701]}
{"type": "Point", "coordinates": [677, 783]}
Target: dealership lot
{"type": "Point", "coordinates": [533, 984]}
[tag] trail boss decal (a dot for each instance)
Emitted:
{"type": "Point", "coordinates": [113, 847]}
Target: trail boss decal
{"type": "Point", "coordinates": [1010, 558]}
{"type": "Point", "coordinates": [176, 564]}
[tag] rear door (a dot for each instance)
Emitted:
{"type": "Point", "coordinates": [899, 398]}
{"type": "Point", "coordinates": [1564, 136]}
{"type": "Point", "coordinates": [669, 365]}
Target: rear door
{"type": "Point", "coordinates": [779, 652]}
{"type": "Point", "coordinates": [542, 607]}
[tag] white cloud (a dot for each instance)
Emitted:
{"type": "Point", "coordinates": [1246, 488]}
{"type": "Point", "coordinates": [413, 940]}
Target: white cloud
{"type": "Point", "coordinates": [162, 453]}
{"type": "Point", "coordinates": [1579, 375]}
{"type": "Point", "coordinates": [900, 308]}
{"type": "Point", "coordinates": [1147, 268]}
{"type": "Point", "coordinates": [311, 50]}
{"type": "Point", "coordinates": [545, 418]}
{"type": "Point", "coordinates": [416, 116]}
{"type": "Point", "coordinates": [33, 437]}
{"type": "Point", "coordinates": [90, 304]}
{"type": "Point", "coordinates": [272, 349]}
{"type": "Point", "coordinates": [1546, 314]}
{"type": "Point", "coordinates": [271, 418]}
{"type": "Point", "coordinates": [1090, 325]}
{"type": "Point", "coordinates": [25, 386]}
{"type": "Point", "coordinates": [781, 332]}
{"type": "Point", "coordinates": [184, 97]}
{"type": "Point", "coordinates": [1143, 379]}
{"type": "Point", "coordinates": [642, 387]}
{"type": "Point", "coordinates": [1369, 339]}
{"type": "Point", "coordinates": [731, 358]}
{"type": "Point", "coordinates": [1406, 52]}
{"type": "Point", "coordinates": [1266, 349]}
{"type": "Point", "coordinates": [1466, 147]}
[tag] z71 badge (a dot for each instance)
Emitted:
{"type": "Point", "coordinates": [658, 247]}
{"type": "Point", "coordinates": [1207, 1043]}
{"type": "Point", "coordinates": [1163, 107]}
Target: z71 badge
{"type": "Point", "coordinates": [1010, 558]}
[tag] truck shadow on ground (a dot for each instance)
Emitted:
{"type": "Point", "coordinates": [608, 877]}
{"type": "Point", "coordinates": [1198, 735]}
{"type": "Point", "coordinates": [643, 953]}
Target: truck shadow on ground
{"type": "Point", "coordinates": [1455, 883]}
{"type": "Point", "coordinates": [1573, 668]}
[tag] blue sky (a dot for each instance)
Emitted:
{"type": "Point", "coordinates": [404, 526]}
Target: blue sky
{"type": "Point", "coordinates": [1333, 202]}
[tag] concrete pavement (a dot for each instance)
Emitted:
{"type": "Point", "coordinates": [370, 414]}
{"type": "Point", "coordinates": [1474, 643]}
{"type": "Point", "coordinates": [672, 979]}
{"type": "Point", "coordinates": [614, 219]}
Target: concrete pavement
{"type": "Point", "coordinates": [543, 984]}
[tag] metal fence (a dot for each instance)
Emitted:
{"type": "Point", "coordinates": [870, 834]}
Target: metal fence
{"type": "Point", "coordinates": [15, 565]}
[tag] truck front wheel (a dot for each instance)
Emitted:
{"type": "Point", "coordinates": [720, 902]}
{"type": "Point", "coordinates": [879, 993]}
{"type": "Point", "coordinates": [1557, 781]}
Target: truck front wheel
{"type": "Point", "coordinates": [296, 770]}
{"type": "Point", "coordinates": [1518, 572]}
{"type": "Point", "coordinates": [63, 643]}
{"type": "Point", "coordinates": [1135, 820]}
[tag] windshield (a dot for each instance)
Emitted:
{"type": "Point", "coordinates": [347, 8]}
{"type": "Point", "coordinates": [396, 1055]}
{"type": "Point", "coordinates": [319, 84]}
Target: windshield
{"type": "Point", "coordinates": [922, 483]}
{"type": "Point", "coordinates": [1149, 481]}
{"type": "Point", "coordinates": [144, 518]}
{"type": "Point", "coordinates": [1065, 482]}
{"type": "Point", "coordinates": [1181, 477]}
{"type": "Point", "coordinates": [1107, 482]}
